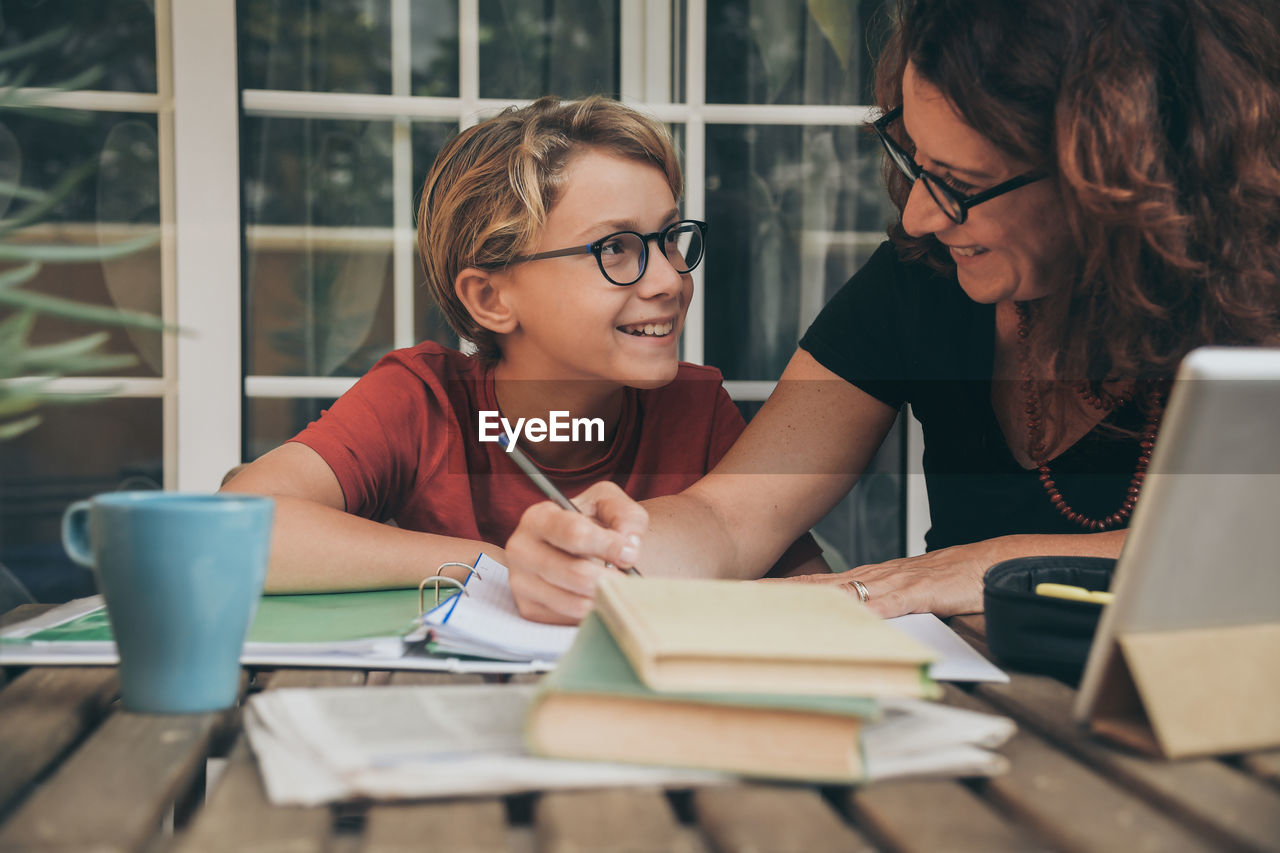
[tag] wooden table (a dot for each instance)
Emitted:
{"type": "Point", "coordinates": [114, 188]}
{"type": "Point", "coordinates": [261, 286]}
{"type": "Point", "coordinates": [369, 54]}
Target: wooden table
{"type": "Point", "coordinates": [78, 773]}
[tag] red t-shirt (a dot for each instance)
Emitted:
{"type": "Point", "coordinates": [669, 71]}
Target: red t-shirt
{"type": "Point", "coordinates": [404, 445]}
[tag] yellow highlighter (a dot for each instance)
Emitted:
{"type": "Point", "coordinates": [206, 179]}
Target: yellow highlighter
{"type": "Point", "coordinates": [1074, 593]}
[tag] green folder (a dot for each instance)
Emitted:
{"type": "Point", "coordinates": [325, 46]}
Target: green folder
{"type": "Point", "coordinates": [315, 618]}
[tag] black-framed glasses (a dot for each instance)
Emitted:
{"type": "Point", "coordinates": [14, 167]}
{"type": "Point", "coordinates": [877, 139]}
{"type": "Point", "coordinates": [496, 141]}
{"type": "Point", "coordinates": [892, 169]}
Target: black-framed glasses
{"type": "Point", "coordinates": [624, 255]}
{"type": "Point", "coordinates": [954, 203]}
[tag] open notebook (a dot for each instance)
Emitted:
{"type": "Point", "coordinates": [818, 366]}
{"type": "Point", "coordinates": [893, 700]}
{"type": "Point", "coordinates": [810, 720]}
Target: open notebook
{"type": "Point", "coordinates": [483, 622]}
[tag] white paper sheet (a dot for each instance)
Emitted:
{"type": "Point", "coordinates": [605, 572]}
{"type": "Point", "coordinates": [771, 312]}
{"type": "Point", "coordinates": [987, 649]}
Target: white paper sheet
{"type": "Point", "coordinates": [957, 660]}
{"type": "Point", "coordinates": [318, 745]}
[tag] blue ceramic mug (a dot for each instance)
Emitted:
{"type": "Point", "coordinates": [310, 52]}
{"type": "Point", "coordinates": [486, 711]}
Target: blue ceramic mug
{"type": "Point", "coordinates": [181, 575]}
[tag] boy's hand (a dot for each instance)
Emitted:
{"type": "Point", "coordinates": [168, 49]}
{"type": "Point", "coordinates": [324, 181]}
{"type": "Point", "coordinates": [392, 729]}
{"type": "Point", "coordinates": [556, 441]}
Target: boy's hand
{"type": "Point", "coordinates": [557, 556]}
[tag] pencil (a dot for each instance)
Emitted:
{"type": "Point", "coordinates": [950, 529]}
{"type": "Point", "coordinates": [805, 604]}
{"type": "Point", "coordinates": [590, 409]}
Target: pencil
{"type": "Point", "coordinates": [548, 488]}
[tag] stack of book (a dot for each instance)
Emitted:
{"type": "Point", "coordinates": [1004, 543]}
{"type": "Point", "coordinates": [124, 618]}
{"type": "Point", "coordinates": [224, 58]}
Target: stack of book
{"type": "Point", "coordinates": [772, 681]}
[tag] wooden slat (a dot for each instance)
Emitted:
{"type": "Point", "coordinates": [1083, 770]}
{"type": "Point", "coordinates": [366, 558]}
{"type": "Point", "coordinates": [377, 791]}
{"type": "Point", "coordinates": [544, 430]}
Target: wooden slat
{"type": "Point", "coordinates": [1069, 806]}
{"type": "Point", "coordinates": [741, 819]}
{"type": "Point", "coordinates": [404, 677]}
{"type": "Point", "coordinates": [312, 678]}
{"type": "Point", "coordinates": [114, 791]}
{"type": "Point", "coordinates": [43, 713]}
{"type": "Point", "coordinates": [1264, 765]}
{"type": "Point", "coordinates": [1077, 810]}
{"type": "Point", "coordinates": [526, 677]}
{"type": "Point", "coordinates": [238, 816]}
{"type": "Point", "coordinates": [617, 820]}
{"type": "Point", "coordinates": [1230, 806]}
{"type": "Point", "coordinates": [476, 826]}
{"type": "Point", "coordinates": [931, 815]}
{"type": "Point", "coordinates": [973, 628]}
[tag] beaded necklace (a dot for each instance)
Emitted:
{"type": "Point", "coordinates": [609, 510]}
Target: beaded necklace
{"type": "Point", "coordinates": [1036, 435]}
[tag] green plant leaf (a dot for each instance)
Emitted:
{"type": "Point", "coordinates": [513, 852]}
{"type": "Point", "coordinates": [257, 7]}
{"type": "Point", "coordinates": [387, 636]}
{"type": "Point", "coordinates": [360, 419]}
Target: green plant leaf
{"type": "Point", "coordinates": [89, 363]}
{"type": "Point", "coordinates": [37, 209]}
{"type": "Point", "coordinates": [835, 19]}
{"type": "Point", "coordinates": [16, 191]}
{"type": "Point", "coordinates": [17, 81]}
{"type": "Point", "coordinates": [30, 369]}
{"type": "Point", "coordinates": [15, 277]}
{"type": "Point", "coordinates": [28, 393]}
{"type": "Point", "coordinates": [74, 82]}
{"type": "Point", "coordinates": [18, 100]}
{"type": "Point", "coordinates": [13, 332]}
{"type": "Point", "coordinates": [75, 254]}
{"type": "Point", "coordinates": [13, 429]}
{"type": "Point", "coordinates": [32, 46]}
{"type": "Point", "coordinates": [66, 349]}
{"type": "Point", "coordinates": [23, 396]}
{"type": "Point", "coordinates": [73, 310]}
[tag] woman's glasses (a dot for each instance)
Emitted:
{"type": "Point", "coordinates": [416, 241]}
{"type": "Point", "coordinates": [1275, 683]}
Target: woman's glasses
{"type": "Point", "coordinates": [624, 255]}
{"type": "Point", "coordinates": [954, 203]}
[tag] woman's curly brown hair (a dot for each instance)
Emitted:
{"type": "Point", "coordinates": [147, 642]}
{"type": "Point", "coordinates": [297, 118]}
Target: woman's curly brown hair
{"type": "Point", "coordinates": [1160, 122]}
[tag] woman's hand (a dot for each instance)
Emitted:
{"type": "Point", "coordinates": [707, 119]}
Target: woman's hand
{"type": "Point", "coordinates": [944, 582]}
{"type": "Point", "coordinates": [557, 557]}
{"type": "Point", "coordinates": [949, 581]}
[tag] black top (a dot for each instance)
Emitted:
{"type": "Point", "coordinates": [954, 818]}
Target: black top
{"type": "Point", "coordinates": [907, 334]}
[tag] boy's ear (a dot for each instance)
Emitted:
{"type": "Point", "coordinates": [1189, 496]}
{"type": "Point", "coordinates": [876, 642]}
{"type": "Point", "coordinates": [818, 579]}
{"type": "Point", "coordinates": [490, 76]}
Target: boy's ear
{"type": "Point", "coordinates": [483, 299]}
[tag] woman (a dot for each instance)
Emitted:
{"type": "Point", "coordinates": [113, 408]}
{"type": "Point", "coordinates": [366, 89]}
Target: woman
{"type": "Point", "coordinates": [1088, 191]}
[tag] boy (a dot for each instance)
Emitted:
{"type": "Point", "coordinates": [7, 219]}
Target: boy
{"type": "Point", "coordinates": [551, 238]}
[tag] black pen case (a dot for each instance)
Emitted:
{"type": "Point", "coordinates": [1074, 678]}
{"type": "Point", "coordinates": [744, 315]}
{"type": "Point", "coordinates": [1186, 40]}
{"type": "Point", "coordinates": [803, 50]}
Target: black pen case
{"type": "Point", "coordinates": [1037, 633]}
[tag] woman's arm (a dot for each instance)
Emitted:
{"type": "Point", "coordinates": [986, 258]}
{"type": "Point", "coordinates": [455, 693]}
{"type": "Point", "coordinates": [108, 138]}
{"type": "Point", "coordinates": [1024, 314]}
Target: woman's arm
{"type": "Point", "coordinates": [949, 580]}
{"type": "Point", "coordinates": [802, 453]}
{"type": "Point", "coordinates": [318, 547]}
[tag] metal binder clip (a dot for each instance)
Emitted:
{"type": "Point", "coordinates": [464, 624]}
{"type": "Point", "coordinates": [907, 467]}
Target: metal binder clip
{"type": "Point", "coordinates": [437, 579]}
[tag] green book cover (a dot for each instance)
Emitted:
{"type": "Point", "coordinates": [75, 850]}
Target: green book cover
{"type": "Point", "coordinates": [313, 618]}
{"type": "Point", "coordinates": [595, 664]}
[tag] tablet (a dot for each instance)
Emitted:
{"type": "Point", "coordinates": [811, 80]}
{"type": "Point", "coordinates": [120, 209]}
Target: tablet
{"type": "Point", "coordinates": [1203, 549]}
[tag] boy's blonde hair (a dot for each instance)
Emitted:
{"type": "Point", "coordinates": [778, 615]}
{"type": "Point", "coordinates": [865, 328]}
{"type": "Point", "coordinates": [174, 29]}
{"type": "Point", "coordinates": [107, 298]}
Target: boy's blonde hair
{"type": "Point", "coordinates": [490, 189]}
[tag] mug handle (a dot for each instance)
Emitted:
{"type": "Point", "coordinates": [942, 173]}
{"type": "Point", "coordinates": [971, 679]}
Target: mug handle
{"type": "Point", "coordinates": [75, 533]}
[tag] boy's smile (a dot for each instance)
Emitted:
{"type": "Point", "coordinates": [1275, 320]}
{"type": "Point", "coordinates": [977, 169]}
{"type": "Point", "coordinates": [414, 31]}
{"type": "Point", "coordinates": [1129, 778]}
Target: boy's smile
{"type": "Point", "coordinates": [651, 328]}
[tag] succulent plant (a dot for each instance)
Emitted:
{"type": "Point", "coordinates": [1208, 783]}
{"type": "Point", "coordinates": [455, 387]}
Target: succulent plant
{"type": "Point", "coordinates": [28, 369]}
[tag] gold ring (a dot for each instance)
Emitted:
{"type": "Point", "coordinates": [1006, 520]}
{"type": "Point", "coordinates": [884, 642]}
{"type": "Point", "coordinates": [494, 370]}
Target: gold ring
{"type": "Point", "coordinates": [861, 588]}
